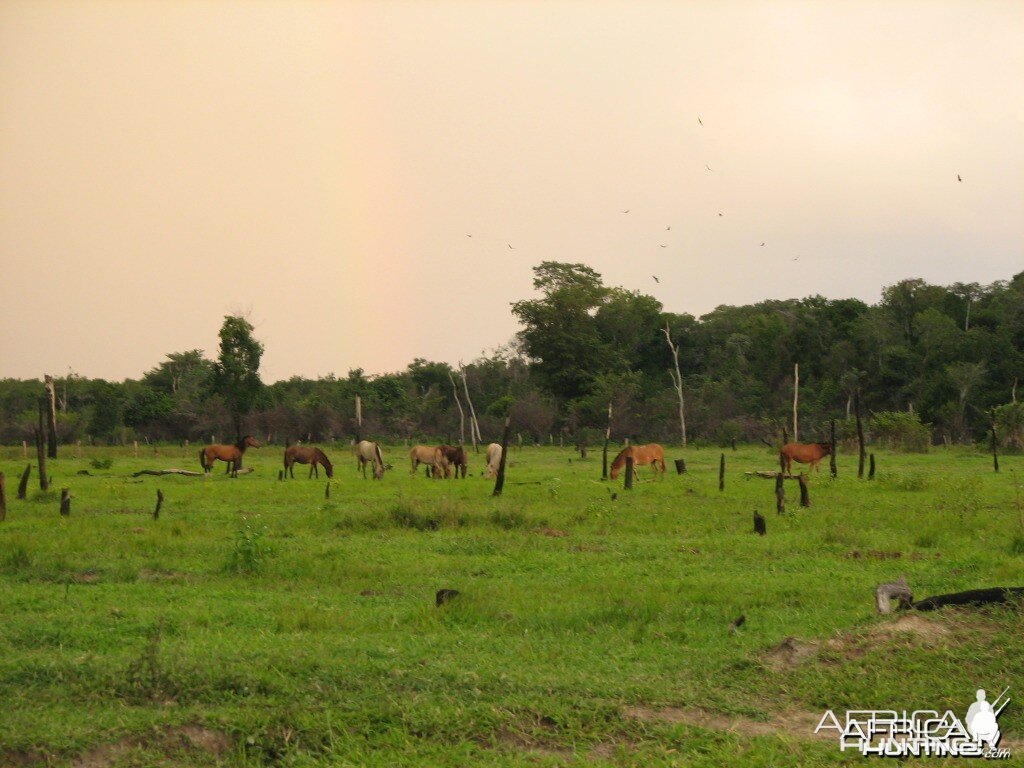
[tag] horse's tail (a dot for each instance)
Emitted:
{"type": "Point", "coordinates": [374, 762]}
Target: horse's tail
{"type": "Point", "coordinates": [202, 459]}
{"type": "Point", "coordinates": [377, 453]}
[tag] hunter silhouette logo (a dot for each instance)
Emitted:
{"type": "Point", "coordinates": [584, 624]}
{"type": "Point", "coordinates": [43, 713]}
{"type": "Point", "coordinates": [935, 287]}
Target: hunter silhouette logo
{"type": "Point", "coordinates": [981, 718]}
{"type": "Point", "coordinates": [922, 732]}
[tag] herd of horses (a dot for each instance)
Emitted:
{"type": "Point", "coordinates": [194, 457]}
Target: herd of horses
{"type": "Point", "coordinates": [445, 461]}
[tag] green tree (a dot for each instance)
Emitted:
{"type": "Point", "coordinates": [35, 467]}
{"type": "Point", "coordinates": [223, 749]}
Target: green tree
{"type": "Point", "coordinates": [236, 374]}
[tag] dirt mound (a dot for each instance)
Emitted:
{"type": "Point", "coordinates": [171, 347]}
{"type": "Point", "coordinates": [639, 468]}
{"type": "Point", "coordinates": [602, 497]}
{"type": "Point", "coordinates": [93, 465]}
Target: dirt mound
{"type": "Point", "coordinates": [926, 630]}
{"type": "Point", "coordinates": [176, 739]}
{"type": "Point", "coordinates": [791, 652]}
{"type": "Point", "coordinates": [793, 724]}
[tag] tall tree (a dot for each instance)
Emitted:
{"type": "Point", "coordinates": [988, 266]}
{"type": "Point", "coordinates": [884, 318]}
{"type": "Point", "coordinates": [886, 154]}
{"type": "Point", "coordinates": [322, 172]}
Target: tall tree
{"type": "Point", "coordinates": [236, 374]}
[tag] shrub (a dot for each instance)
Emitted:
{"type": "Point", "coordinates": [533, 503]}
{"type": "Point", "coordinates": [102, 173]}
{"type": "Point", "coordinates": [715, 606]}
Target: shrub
{"type": "Point", "coordinates": [250, 551]}
{"type": "Point", "coordinates": [901, 431]}
{"type": "Point", "coordinates": [101, 463]}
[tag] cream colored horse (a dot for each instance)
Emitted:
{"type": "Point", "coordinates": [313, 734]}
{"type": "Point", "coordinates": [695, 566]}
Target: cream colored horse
{"type": "Point", "coordinates": [432, 457]}
{"type": "Point", "coordinates": [493, 459]}
{"type": "Point", "coordinates": [369, 453]}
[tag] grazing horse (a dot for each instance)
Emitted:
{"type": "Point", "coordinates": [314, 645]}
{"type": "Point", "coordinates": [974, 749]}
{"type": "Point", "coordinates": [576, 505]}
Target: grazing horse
{"type": "Point", "coordinates": [457, 459]}
{"type": "Point", "coordinates": [232, 454]}
{"type": "Point", "coordinates": [434, 458]}
{"type": "Point", "coordinates": [493, 459]}
{"type": "Point", "coordinates": [804, 453]}
{"type": "Point", "coordinates": [652, 454]}
{"type": "Point", "coordinates": [299, 454]}
{"type": "Point", "coordinates": [369, 453]}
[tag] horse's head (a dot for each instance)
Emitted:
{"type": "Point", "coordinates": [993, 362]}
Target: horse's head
{"type": "Point", "coordinates": [251, 442]}
{"type": "Point", "coordinates": [826, 448]}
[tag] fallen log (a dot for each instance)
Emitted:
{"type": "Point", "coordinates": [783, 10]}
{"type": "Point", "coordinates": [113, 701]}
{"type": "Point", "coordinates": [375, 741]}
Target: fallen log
{"type": "Point", "coordinates": [186, 472]}
{"type": "Point", "coordinates": [972, 597]}
{"type": "Point", "coordinates": [768, 475]}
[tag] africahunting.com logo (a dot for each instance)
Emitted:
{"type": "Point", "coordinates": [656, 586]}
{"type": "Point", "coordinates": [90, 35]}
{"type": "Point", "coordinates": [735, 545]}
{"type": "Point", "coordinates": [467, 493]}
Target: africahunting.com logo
{"type": "Point", "coordinates": [923, 732]}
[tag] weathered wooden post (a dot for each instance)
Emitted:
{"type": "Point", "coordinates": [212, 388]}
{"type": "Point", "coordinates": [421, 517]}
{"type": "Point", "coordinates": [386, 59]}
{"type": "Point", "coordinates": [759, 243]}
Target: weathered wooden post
{"type": "Point", "coordinates": [135, 448]}
{"type": "Point", "coordinates": [780, 493]}
{"type": "Point", "coordinates": [805, 498]}
{"type": "Point", "coordinates": [499, 483]}
{"type": "Point", "coordinates": [359, 418]}
{"type": "Point", "coordinates": [760, 525]}
{"type": "Point", "coordinates": [871, 469]}
{"type": "Point", "coordinates": [159, 503]}
{"type": "Point", "coordinates": [23, 483]}
{"type": "Point", "coordinates": [680, 466]}
{"type": "Point", "coordinates": [995, 452]}
{"type": "Point", "coordinates": [860, 434]}
{"type": "Point", "coordinates": [65, 501]}
{"type": "Point", "coordinates": [628, 482]}
{"type": "Point", "coordinates": [280, 474]}
{"type": "Point", "coordinates": [3, 497]}
{"type": "Point", "coordinates": [24, 449]}
{"type": "Point", "coordinates": [607, 437]}
{"type": "Point", "coordinates": [184, 450]}
{"type": "Point", "coordinates": [327, 490]}
{"type": "Point", "coordinates": [44, 483]}
{"type": "Point", "coordinates": [581, 442]}
{"type": "Point", "coordinates": [832, 456]}
{"type": "Point", "coordinates": [721, 473]}
{"type": "Point", "coordinates": [51, 416]}
{"type": "Point", "coordinates": [796, 397]}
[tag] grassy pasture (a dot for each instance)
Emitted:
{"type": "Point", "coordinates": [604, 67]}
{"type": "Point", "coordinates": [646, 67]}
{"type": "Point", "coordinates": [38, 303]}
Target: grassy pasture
{"type": "Point", "coordinates": [258, 623]}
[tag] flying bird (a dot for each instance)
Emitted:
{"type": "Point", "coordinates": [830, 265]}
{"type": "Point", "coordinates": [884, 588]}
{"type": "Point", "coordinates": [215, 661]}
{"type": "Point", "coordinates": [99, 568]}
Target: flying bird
{"type": "Point", "coordinates": [626, 211]}
{"type": "Point", "coordinates": [719, 214]}
{"type": "Point", "coordinates": [699, 120]}
{"type": "Point", "coordinates": [762, 245]}
{"type": "Point", "coordinates": [510, 245]}
{"type": "Point", "coordinates": [796, 258]}
{"type": "Point", "coordinates": [958, 177]}
{"type": "Point", "coordinates": [668, 228]}
{"type": "Point", "coordinates": [656, 279]}
{"type": "Point", "coordinates": [707, 166]}
{"type": "Point", "coordinates": [662, 246]}
{"type": "Point", "coordinates": [468, 235]}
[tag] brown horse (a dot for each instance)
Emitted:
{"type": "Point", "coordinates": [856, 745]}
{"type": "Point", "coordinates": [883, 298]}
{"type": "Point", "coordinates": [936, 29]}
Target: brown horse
{"type": "Point", "coordinates": [804, 453]}
{"type": "Point", "coordinates": [457, 459]}
{"type": "Point", "coordinates": [299, 454]}
{"type": "Point", "coordinates": [232, 454]}
{"type": "Point", "coordinates": [369, 453]}
{"type": "Point", "coordinates": [434, 458]}
{"type": "Point", "coordinates": [652, 454]}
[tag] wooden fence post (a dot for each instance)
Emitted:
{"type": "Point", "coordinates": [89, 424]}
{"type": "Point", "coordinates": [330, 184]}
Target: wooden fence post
{"type": "Point", "coordinates": [159, 503]}
{"type": "Point", "coordinates": [780, 493]}
{"type": "Point", "coordinates": [760, 525]}
{"type": "Point", "coordinates": [3, 497]}
{"type": "Point", "coordinates": [832, 457]}
{"type": "Point", "coordinates": [995, 452]}
{"type": "Point", "coordinates": [871, 470]}
{"type": "Point", "coordinates": [23, 483]}
{"type": "Point", "coordinates": [721, 473]}
{"type": "Point", "coordinates": [680, 466]}
{"type": "Point", "coordinates": [65, 501]}
{"type": "Point", "coordinates": [628, 483]}
{"type": "Point", "coordinates": [44, 483]}
{"type": "Point", "coordinates": [805, 498]}
{"type": "Point", "coordinates": [860, 434]}
{"type": "Point", "coordinates": [499, 483]}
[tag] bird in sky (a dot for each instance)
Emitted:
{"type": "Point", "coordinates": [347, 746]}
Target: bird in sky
{"type": "Point", "coordinates": [656, 279]}
{"type": "Point", "coordinates": [707, 166]}
{"type": "Point", "coordinates": [958, 177]}
{"type": "Point", "coordinates": [668, 228]}
{"type": "Point", "coordinates": [510, 246]}
{"type": "Point", "coordinates": [662, 246]}
{"type": "Point", "coordinates": [796, 258]}
{"type": "Point", "coordinates": [699, 120]}
{"type": "Point", "coordinates": [468, 235]}
{"type": "Point", "coordinates": [626, 211]}
{"type": "Point", "coordinates": [719, 214]}
{"type": "Point", "coordinates": [762, 245]}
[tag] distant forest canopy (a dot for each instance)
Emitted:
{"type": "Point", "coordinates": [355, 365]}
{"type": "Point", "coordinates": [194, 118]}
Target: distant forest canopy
{"type": "Point", "coordinates": [932, 363]}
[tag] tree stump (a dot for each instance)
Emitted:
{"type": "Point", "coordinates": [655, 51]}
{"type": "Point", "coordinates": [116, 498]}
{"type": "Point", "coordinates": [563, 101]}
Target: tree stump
{"type": "Point", "coordinates": [3, 497]}
{"type": "Point", "coordinates": [499, 483]}
{"type": "Point", "coordinates": [65, 501]}
{"type": "Point", "coordinates": [44, 483]}
{"type": "Point", "coordinates": [760, 525]}
{"type": "Point", "coordinates": [628, 483]}
{"type": "Point", "coordinates": [159, 503]}
{"type": "Point", "coordinates": [23, 483]}
{"type": "Point", "coordinates": [680, 466]}
{"type": "Point", "coordinates": [832, 456]}
{"type": "Point", "coordinates": [721, 473]}
{"type": "Point", "coordinates": [780, 493]}
{"type": "Point", "coordinates": [871, 467]}
{"type": "Point", "coordinates": [897, 590]}
{"type": "Point", "coordinates": [327, 490]}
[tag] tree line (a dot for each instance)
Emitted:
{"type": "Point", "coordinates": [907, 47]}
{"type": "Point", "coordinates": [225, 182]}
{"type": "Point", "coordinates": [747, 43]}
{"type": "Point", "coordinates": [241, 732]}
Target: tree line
{"type": "Point", "coordinates": [933, 364]}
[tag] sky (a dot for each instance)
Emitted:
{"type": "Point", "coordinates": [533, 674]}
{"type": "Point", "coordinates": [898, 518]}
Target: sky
{"type": "Point", "coordinates": [372, 182]}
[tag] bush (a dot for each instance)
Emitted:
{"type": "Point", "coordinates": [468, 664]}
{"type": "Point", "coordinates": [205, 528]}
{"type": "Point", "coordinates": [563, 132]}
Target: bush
{"type": "Point", "coordinates": [901, 431]}
{"type": "Point", "coordinates": [101, 463]}
{"type": "Point", "coordinates": [250, 551]}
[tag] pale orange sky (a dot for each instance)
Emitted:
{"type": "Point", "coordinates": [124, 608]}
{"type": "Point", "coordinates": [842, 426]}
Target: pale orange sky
{"type": "Point", "coordinates": [319, 166]}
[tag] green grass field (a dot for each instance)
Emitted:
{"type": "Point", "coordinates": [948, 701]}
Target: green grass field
{"type": "Point", "coordinates": [258, 623]}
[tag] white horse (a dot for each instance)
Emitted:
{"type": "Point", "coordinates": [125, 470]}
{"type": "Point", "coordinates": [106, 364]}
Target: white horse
{"type": "Point", "coordinates": [493, 459]}
{"type": "Point", "coordinates": [367, 453]}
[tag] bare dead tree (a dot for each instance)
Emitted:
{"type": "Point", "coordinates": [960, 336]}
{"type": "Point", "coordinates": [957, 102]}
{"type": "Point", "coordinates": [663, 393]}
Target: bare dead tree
{"type": "Point", "coordinates": [474, 425]}
{"type": "Point", "coordinates": [51, 417]}
{"type": "Point", "coordinates": [462, 413]}
{"type": "Point", "coordinates": [677, 381]}
{"type": "Point", "coordinates": [796, 399]}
